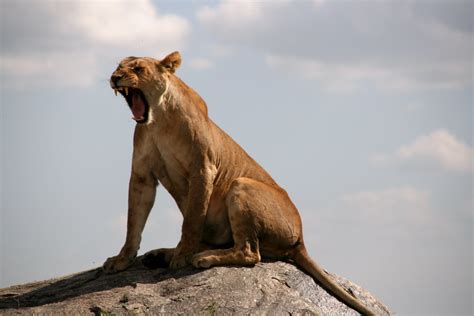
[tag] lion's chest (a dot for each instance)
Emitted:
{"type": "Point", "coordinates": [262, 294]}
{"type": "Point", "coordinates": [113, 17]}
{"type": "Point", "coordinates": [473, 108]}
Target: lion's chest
{"type": "Point", "coordinates": [176, 153]}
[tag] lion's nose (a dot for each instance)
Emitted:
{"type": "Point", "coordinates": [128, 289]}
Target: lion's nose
{"type": "Point", "coordinates": [114, 79]}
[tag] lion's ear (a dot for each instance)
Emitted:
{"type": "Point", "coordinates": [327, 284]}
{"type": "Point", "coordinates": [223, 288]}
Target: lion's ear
{"type": "Point", "coordinates": [172, 61]}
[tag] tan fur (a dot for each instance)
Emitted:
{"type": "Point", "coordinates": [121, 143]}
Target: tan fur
{"type": "Point", "coordinates": [231, 206]}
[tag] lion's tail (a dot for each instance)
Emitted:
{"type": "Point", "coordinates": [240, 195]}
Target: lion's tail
{"type": "Point", "coordinates": [302, 259]}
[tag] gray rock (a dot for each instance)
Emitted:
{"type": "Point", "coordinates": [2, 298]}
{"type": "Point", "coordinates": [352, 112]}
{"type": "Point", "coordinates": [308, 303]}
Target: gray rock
{"type": "Point", "coordinates": [271, 288]}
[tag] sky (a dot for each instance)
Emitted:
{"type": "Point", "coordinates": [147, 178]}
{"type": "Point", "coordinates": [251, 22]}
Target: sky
{"type": "Point", "coordinates": [361, 110]}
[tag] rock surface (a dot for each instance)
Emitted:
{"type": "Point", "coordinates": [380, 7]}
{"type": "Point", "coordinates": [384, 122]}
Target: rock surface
{"type": "Point", "coordinates": [272, 288]}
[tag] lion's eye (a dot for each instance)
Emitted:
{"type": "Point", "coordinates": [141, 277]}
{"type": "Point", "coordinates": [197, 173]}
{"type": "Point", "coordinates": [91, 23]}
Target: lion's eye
{"type": "Point", "coordinates": [137, 68]}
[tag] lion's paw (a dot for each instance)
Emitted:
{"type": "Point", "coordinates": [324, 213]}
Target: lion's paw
{"type": "Point", "coordinates": [117, 264]}
{"type": "Point", "coordinates": [201, 261]}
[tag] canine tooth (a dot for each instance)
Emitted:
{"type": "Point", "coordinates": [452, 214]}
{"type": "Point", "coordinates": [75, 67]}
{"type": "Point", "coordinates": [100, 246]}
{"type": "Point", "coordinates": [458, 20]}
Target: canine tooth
{"type": "Point", "coordinates": [126, 91]}
{"type": "Point", "coordinates": [115, 91]}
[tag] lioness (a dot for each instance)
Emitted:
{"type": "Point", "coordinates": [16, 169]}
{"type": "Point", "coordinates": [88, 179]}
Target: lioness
{"type": "Point", "coordinates": [234, 212]}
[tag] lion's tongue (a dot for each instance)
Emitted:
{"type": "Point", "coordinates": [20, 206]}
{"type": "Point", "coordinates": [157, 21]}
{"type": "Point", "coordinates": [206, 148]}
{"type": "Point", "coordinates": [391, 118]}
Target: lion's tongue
{"type": "Point", "coordinates": [138, 107]}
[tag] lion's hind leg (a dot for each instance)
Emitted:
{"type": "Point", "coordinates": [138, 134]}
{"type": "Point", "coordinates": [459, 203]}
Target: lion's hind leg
{"type": "Point", "coordinates": [257, 213]}
{"type": "Point", "coordinates": [244, 232]}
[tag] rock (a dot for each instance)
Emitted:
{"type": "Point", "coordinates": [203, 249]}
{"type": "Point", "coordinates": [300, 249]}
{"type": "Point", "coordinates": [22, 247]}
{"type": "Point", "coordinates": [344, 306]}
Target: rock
{"type": "Point", "coordinates": [270, 288]}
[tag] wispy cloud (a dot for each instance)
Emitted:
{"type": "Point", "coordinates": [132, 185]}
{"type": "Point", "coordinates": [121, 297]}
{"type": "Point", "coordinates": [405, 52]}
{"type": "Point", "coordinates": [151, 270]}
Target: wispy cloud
{"type": "Point", "coordinates": [399, 205]}
{"type": "Point", "coordinates": [396, 208]}
{"type": "Point", "coordinates": [395, 46]}
{"type": "Point", "coordinates": [334, 77]}
{"type": "Point", "coordinates": [439, 149]}
{"type": "Point", "coordinates": [340, 76]}
{"type": "Point", "coordinates": [232, 12]}
{"type": "Point", "coordinates": [50, 70]}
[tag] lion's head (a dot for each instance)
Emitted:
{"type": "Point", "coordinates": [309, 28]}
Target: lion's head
{"type": "Point", "coordinates": [143, 80]}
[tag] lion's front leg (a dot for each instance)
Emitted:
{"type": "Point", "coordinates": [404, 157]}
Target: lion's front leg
{"type": "Point", "coordinates": [200, 190]}
{"type": "Point", "coordinates": [142, 190]}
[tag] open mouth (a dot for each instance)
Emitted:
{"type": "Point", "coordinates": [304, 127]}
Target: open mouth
{"type": "Point", "coordinates": [136, 102]}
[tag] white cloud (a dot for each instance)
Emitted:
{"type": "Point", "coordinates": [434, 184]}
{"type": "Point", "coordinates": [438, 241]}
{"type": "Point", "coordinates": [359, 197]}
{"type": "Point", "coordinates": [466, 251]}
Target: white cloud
{"type": "Point", "coordinates": [130, 23]}
{"type": "Point", "coordinates": [71, 43]}
{"type": "Point", "coordinates": [201, 63]}
{"type": "Point", "coordinates": [396, 46]}
{"type": "Point", "coordinates": [439, 148]}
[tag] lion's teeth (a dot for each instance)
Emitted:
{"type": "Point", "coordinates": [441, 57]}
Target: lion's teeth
{"type": "Point", "coordinates": [126, 91]}
{"type": "Point", "coordinates": [115, 91]}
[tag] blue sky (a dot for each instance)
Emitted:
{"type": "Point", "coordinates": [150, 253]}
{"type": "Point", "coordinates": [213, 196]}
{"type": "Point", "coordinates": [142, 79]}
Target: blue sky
{"type": "Point", "coordinates": [361, 110]}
